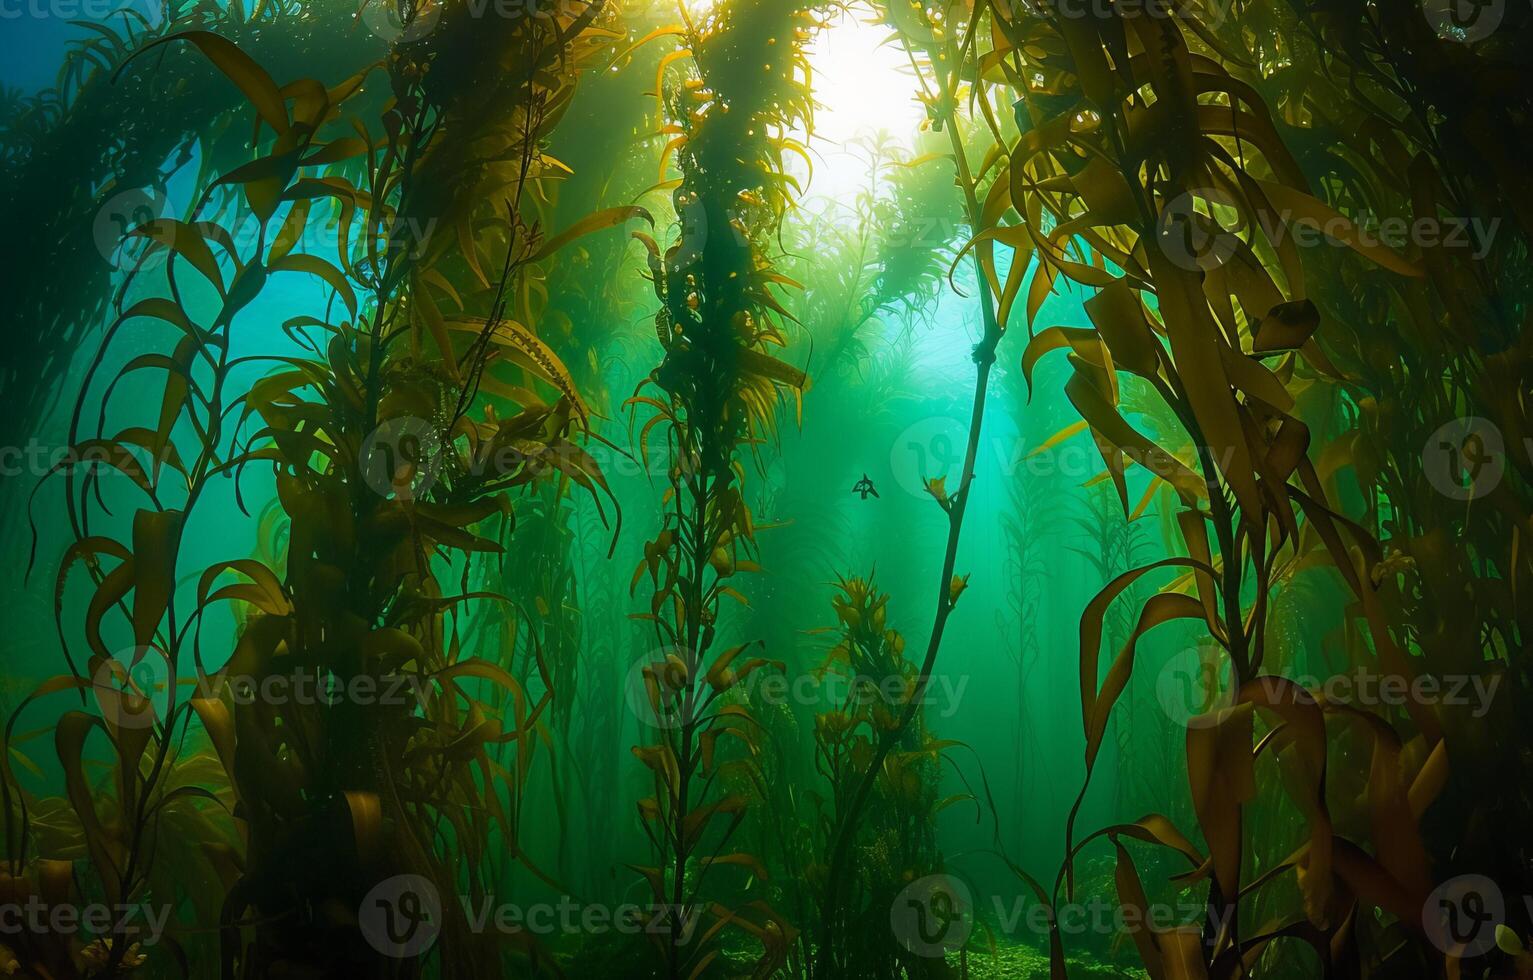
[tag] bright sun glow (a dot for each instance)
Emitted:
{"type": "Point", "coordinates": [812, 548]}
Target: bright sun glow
{"type": "Point", "coordinates": [862, 84]}
{"type": "Point", "coordinates": [862, 87]}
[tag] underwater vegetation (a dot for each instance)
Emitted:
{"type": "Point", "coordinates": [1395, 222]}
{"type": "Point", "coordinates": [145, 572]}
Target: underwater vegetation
{"type": "Point", "coordinates": [518, 488]}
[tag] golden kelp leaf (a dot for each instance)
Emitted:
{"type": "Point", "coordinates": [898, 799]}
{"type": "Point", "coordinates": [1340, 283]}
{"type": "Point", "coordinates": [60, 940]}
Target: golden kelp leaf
{"type": "Point", "coordinates": [1163, 607]}
{"type": "Point", "coordinates": [1118, 316]}
{"type": "Point", "coordinates": [69, 739]}
{"type": "Point", "coordinates": [1131, 898]}
{"type": "Point", "coordinates": [514, 337]}
{"type": "Point", "coordinates": [771, 368]}
{"type": "Point", "coordinates": [589, 224]}
{"type": "Point", "coordinates": [237, 66]}
{"type": "Point", "coordinates": [1195, 352]}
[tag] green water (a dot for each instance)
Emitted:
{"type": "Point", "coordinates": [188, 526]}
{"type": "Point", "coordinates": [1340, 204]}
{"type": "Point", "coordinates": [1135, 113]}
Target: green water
{"type": "Point", "coordinates": [799, 626]}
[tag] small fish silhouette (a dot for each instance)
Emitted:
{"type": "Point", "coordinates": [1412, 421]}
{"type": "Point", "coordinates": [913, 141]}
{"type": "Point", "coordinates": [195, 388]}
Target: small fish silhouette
{"type": "Point", "coordinates": [865, 486]}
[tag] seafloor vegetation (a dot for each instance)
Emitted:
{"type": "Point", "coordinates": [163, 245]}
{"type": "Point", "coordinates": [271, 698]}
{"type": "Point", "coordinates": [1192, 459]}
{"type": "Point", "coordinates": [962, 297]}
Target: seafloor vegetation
{"type": "Point", "coordinates": [480, 506]}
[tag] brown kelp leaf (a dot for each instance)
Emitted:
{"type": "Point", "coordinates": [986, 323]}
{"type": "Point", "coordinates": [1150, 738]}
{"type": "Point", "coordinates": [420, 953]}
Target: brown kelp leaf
{"type": "Point", "coordinates": [1195, 350]}
{"type": "Point", "coordinates": [1120, 319]}
{"type": "Point", "coordinates": [316, 266]}
{"type": "Point", "coordinates": [1220, 773]}
{"type": "Point", "coordinates": [69, 740]}
{"type": "Point", "coordinates": [1287, 326]}
{"type": "Point", "coordinates": [1131, 898]}
{"type": "Point", "coordinates": [156, 544]}
{"type": "Point", "coordinates": [1304, 729]}
{"type": "Point", "coordinates": [1163, 607]}
{"type": "Point", "coordinates": [237, 66]}
{"type": "Point", "coordinates": [185, 241]}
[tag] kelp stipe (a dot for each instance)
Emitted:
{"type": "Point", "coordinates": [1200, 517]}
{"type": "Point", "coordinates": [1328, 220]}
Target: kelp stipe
{"type": "Point", "coordinates": [716, 396]}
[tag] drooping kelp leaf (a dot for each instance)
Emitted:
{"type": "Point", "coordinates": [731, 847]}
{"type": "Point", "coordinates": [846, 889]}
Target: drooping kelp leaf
{"type": "Point", "coordinates": [251, 79]}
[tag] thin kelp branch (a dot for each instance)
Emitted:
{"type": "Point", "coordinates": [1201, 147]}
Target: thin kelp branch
{"type": "Point", "coordinates": [943, 45]}
{"type": "Point", "coordinates": [717, 394]}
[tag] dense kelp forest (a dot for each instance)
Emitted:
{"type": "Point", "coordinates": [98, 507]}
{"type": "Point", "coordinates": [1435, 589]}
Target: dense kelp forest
{"type": "Point", "coordinates": [767, 488]}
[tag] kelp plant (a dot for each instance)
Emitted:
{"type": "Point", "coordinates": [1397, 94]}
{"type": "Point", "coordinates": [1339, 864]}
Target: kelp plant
{"type": "Point", "coordinates": [716, 395]}
{"type": "Point", "coordinates": [390, 434]}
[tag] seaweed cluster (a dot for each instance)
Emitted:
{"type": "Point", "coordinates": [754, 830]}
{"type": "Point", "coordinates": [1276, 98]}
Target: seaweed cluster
{"type": "Point", "coordinates": [378, 606]}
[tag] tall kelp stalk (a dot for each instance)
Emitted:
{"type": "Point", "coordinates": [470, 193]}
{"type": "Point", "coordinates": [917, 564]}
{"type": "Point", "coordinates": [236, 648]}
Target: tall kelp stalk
{"type": "Point", "coordinates": [1130, 144]}
{"type": "Point", "coordinates": [716, 394]}
{"type": "Point", "coordinates": [93, 157]}
{"type": "Point", "coordinates": [381, 470]}
{"type": "Point", "coordinates": [939, 41]}
{"type": "Point", "coordinates": [1425, 369]}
